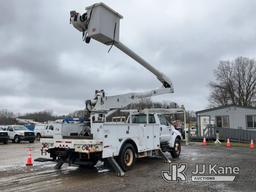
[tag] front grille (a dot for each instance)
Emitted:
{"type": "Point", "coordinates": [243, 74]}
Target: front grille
{"type": "Point", "coordinates": [3, 134]}
{"type": "Point", "coordinates": [29, 134]}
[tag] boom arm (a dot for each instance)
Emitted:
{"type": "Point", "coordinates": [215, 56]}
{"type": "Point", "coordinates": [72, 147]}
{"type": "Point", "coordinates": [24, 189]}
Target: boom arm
{"type": "Point", "coordinates": [164, 80]}
{"type": "Point", "coordinates": [101, 23]}
{"type": "Point", "coordinates": [104, 103]}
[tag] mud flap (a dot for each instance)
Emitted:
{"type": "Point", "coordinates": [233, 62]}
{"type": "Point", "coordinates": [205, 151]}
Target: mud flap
{"type": "Point", "coordinates": [115, 166]}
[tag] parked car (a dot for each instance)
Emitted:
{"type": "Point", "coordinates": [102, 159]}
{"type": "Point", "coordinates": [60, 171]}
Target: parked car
{"type": "Point", "coordinates": [4, 137]}
{"type": "Point", "coordinates": [19, 133]}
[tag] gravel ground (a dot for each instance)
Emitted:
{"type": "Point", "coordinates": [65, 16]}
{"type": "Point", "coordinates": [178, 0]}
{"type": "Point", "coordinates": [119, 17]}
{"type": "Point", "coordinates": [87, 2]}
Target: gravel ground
{"type": "Point", "coordinates": [145, 176]}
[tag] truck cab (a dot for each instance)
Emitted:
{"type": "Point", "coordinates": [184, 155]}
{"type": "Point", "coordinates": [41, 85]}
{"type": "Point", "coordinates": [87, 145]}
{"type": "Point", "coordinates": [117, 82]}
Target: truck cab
{"type": "Point", "coordinates": [158, 120]}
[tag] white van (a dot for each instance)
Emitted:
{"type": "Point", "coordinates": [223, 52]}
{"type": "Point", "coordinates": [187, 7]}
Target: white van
{"type": "Point", "coordinates": [43, 130]}
{"type": "Point", "coordinates": [57, 129]}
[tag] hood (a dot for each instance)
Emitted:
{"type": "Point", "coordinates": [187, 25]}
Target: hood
{"type": "Point", "coordinates": [23, 131]}
{"type": "Point", "coordinates": [2, 131]}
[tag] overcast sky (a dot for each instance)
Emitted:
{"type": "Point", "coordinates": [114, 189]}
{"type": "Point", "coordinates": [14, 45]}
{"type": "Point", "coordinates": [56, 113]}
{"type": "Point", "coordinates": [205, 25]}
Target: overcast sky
{"type": "Point", "coordinates": [44, 65]}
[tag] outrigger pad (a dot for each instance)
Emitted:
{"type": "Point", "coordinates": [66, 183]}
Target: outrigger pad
{"type": "Point", "coordinates": [59, 165]}
{"type": "Point", "coordinates": [115, 166]}
{"type": "Point", "coordinates": [167, 160]}
{"type": "Point", "coordinates": [43, 159]}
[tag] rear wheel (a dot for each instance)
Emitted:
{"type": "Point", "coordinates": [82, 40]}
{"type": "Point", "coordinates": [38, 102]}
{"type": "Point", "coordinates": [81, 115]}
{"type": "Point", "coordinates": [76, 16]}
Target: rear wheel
{"type": "Point", "coordinates": [126, 158]}
{"type": "Point", "coordinates": [175, 152]}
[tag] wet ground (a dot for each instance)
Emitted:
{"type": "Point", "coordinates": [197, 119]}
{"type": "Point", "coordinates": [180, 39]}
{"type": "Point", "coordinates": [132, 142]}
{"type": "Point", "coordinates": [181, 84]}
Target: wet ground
{"type": "Point", "coordinates": [145, 176]}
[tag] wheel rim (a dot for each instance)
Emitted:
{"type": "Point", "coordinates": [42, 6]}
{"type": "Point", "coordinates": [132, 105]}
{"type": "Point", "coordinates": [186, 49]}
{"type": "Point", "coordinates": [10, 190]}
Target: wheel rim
{"type": "Point", "coordinates": [128, 157]}
{"type": "Point", "coordinates": [177, 147]}
{"type": "Point", "coordinates": [16, 139]}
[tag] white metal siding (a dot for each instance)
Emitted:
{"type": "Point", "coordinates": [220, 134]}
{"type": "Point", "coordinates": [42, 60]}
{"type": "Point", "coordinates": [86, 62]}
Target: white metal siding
{"type": "Point", "coordinates": [237, 115]}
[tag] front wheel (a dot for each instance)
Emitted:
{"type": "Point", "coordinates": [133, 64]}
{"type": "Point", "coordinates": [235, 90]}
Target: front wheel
{"type": "Point", "coordinates": [126, 158]}
{"type": "Point", "coordinates": [16, 139]}
{"type": "Point", "coordinates": [175, 152]}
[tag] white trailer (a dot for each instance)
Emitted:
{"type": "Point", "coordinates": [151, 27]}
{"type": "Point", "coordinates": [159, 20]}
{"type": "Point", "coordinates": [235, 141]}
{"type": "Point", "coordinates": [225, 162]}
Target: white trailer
{"type": "Point", "coordinates": [145, 133]}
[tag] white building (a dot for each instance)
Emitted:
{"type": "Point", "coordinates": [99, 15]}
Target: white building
{"type": "Point", "coordinates": [229, 116]}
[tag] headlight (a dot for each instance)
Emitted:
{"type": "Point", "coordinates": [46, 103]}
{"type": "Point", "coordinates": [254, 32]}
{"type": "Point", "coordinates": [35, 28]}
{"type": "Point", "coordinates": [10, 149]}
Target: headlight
{"type": "Point", "coordinates": [22, 134]}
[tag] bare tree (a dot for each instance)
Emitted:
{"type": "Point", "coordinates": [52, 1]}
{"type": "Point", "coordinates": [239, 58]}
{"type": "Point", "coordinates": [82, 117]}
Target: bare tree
{"type": "Point", "coordinates": [7, 117]}
{"type": "Point", "coordinates": [41, 116]}
{"type": "Point", "coordinates": [235, 83]}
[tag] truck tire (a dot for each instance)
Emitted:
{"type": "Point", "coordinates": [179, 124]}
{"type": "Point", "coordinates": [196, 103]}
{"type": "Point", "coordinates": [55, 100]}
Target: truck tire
{"type": "Point", "coordinates": [16, 139]}
{"type": "Point", "coordinates": [126, 158]}
{"type": "Point", "coordinates": [38, 136]}
{"type": "Point", "coordinates": [175, 152]}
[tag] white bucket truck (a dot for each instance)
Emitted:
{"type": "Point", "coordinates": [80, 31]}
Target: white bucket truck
{"type": "Point", "coordinates": [145, 133]}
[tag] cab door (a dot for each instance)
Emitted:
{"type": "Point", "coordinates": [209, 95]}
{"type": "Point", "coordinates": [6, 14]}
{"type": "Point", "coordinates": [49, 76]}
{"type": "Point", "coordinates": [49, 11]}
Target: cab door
{"type": "Point", "coordinates": [149, 133]}
{"type": "Point", "coordinates": [49, 130]}
{"type": "Point", "coordinates": [11, 132]}
{"type": "Point", "coordinates": [152, 130]}
{"type": "Point", "coordinates": [140, 121]}
{"type": "Point", "coordinates": [165, 129]}
{"type": "Point", "coordinates": [149, 136]}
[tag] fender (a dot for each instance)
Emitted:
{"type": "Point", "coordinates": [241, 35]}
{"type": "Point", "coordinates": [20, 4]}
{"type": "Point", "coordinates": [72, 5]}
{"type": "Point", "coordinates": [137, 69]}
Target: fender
{"type": "Point", "coordinates": [175, 134]}
{"type": "Point", "coordinates": [131, 141]}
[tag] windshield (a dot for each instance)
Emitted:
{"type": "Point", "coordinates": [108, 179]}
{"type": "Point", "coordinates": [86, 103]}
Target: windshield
{"type": "Point", "coordinates": [163, 120]}
{"type": "Point", "coordinates": [20, 128]}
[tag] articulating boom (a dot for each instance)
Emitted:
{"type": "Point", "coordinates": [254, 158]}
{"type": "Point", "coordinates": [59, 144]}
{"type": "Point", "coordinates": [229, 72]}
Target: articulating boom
{"type": "Point", "coordinates": [101, 23]}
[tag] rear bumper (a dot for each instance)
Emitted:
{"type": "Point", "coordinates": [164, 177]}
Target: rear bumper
{"type": "Point", "coordinates": [71, 157]}
{"type": "Point", "coordinates": [78, 145]}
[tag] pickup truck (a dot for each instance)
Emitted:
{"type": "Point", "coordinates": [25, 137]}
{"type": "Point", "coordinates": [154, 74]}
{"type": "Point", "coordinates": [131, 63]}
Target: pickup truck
{"type": "Point", "coordinates": [143, 134]}
{"type": "Point", "coordinates": [4, 136]}
{"type": "Point", "coordinates": [19, 133]}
